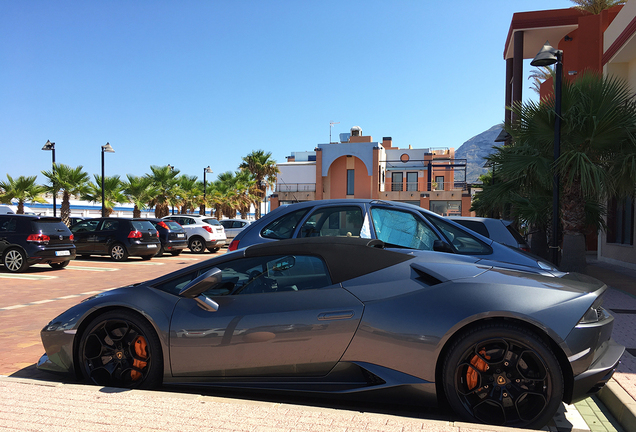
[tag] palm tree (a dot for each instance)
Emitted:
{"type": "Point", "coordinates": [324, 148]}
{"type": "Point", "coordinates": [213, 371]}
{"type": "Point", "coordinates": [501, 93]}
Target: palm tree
{"type": "Point", "coordinates": [263, 170]}
{"type": "Point", "coordinates": [23, 189]}
{"type": "Point", "coordinates": [190, 192]}
{"type": "Point", "coordinates": [71, 181]}
{"type": "Point", "coordinates": [112, 192]}
{"type": "Point", "coordinates": [163, 189]}
{"type": "Point", "coordinates": [136, 190]}
{"type": "Point", "coordinates": [538, 75]}
{"type": "Point", "coordinates": [596, 6]}
{"type": "Point", "coordinates": [598, 153]}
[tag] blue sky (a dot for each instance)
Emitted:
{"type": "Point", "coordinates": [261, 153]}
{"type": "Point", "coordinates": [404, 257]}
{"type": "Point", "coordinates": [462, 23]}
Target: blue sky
{"type": "Point", "coordinates": [198, 83]}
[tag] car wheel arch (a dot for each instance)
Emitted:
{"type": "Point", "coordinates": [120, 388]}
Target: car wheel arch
{"type": "Point", "coordinates": [87, 319]}
{"type": "Point", "coordinates": [448, 342]}
{"type": "Point", "coordinates": [19, 249]}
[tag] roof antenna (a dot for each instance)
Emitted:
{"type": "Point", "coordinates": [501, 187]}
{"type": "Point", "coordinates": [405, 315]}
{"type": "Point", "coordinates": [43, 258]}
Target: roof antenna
{"type": "Point", "coordinates": [331, 123]}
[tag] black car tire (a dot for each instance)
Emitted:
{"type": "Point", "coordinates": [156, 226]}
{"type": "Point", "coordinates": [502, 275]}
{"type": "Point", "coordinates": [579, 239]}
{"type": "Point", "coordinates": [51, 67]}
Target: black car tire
{"type": "Point", "coordinates": [214, 249]}
{"type": "Point", "coordinates": [146, 257]}
{"type": "Point", "coordinates": [111, 352]}
{"type": "Point", "coordinates": [197, 245]}
{"type": "Point", "coordinates": [503, 374]}
{"type": "Point", "coordinates": [59, 266]}
{"type": "Point", "coordinates": [15, 260]}
{"type": "Point", "coordinates": [175, 253]}
{"type": "Point", "coordinates": [118, 252]}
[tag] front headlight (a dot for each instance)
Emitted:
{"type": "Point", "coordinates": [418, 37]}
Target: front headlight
{"type": "Point", "coordinates": [594, 313]}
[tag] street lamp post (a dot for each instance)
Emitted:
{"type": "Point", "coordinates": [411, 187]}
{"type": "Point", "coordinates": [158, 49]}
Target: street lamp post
{"type": "Point", "coordinates": [51, 146]}
{"type": "Point", "coordinates": [546, 57]}
{"type": "Point", "coordinates": [171, 168]}
{"type": "Point", "coordinates": [207, 170]}
{"type": "Point", "coordinates": [105, 149]}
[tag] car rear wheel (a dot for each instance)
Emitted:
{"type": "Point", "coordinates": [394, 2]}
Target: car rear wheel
{"type": "Point", "coordinates": [175, 253]}
{"type": "Point", "coordinates": [503, 375]}
{"type": "Point", "coordinates": [197, 245]}
{"type": "Point", "coordinates": [118, 252]}
{"type": "Point", "coordinates": [121, 349]}
{"type": "Point", "coordinates": [214, 249]}
{"type": "Point", "coordinates": [15, 260]}
{"type": "Point", "coordinates": [146, 257]}
{"type": "Point", "coordinates": [58, 266]}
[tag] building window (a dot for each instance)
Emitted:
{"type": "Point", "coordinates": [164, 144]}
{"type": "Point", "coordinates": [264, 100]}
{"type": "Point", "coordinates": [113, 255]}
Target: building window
{"type": "Point", "coordinates": [439, 180]}
{"type": "Point", "coordinates": [396, 182]}
{"type": "Point", "coordinates": [351, 176]}
{"type": "Point", "coordinates": [620, 221]}
{"type": "Point", "coordinates": [411, 181]}
{"type": "Point", "coordinates": [446, 208]}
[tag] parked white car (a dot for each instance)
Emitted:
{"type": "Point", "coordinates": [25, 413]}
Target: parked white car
{"type": "Point", "coordinates": [202, 235]}
{"type": "Point", "coordinates": [234, 226]}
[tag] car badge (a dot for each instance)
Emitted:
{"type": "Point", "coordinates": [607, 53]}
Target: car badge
{"type": "Point", "coordinates": [61, 237]}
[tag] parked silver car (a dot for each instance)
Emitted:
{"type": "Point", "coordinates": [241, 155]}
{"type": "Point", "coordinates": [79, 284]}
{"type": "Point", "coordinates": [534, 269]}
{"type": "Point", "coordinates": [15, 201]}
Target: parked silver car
{"type": "Point", "coordinates": [234, 226]}
{"type": "Point", "coordinates": [396, 224]}
{"type": "Point", "coordinates": [499, 230]}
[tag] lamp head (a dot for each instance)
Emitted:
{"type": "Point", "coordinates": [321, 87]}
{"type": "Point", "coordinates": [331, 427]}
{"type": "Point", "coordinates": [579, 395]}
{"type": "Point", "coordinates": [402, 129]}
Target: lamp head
{"type": "Point", "coordinates": [548, 55]}
{"type": "Point", "coordinates": [48, 145]}
{"type": "Point", "coordinates": [107, 148]}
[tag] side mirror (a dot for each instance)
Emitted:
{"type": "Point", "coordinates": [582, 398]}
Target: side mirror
{"type": "Point", "coordinates": [202, 283]}
{"type": "Point", "coordinates": [442, 246]}
{"type": "Point", "coordinates": [284, 264]}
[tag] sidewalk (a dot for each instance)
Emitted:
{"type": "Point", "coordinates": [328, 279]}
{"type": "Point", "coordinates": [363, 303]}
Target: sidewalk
{"type": "Point", "coordinates": [619, 395]}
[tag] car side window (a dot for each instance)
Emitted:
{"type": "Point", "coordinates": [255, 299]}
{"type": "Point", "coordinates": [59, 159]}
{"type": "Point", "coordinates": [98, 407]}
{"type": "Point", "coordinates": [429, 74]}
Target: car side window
{"type": "Point", "coordinates": [461, 240]}
{"type": "Point", "coordinates": [8, 225]}
{"type": "Point", "coordinates": [401, 228]}
{"type": "Point", "coordinates": [271, 274]}
{"type": "Point", "coordinates": [284, 226]}
{"type": "Point", "coordinates": [259, 275]}
{"type": "Point", "coordinates": [85, 226]}
{"type": "Point", "coordinates": [110, 225]}
{"type": "Point", "coordinates": [334, 222]}
{"type": "Point", "coordinates": [476, 226]}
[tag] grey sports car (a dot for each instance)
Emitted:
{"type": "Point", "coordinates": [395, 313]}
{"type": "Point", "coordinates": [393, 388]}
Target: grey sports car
{"type": "Point", "coordinates": [501, 344]}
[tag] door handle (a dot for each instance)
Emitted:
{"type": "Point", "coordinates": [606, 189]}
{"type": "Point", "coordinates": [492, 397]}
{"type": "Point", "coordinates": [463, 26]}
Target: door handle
{"type": "Point", "coordinates": [326, 316]}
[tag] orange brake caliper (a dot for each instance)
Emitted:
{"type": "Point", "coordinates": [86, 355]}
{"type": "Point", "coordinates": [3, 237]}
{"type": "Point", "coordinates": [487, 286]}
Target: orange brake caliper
{"type": "Point", "coordinates": [472, 377]}
{"type": "Point", "coordinates": [141, 349]}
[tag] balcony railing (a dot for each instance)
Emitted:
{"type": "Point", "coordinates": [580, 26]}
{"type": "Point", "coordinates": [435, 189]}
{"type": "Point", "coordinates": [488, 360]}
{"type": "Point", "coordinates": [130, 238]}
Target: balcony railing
{"type": "Point", "coordinates": [295, 187]}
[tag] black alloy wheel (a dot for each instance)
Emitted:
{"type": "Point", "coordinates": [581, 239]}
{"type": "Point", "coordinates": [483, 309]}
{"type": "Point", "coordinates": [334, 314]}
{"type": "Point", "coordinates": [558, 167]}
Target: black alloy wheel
{"type": "Point", "coordinates": [504, 375]}
{"type": "Point", "coordinates": [120, 349]}
{"type": "Point", "coordinates": [197, 245]}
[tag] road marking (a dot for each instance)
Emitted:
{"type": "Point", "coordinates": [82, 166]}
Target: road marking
{"type": "Point", "coordinates": [97, 269]}
{"type": "Point", "coordinates": [39, 302]}
{"type": "Point", "coordinates": [26, 276]}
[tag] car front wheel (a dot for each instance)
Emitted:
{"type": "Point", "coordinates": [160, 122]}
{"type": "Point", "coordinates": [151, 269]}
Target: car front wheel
{"type": "Point", "coordinates": [121, 349]}
{"type": "Point", "coordinates": [15, 260]}
{"type": "Point", "coordinates": [502, 374]}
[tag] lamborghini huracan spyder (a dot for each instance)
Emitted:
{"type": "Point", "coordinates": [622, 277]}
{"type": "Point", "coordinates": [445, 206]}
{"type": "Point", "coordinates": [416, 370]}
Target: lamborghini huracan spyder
{"type": "Point", "coordinates": [501, 344]}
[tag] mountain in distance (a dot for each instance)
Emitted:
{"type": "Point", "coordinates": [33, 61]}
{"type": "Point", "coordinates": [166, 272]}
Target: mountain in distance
{"type": "Point", "coordinates": [475, 149]}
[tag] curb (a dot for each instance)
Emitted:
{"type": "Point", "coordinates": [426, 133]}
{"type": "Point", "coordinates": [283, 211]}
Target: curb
{"type": "Point", "coordinates": [620, 404]}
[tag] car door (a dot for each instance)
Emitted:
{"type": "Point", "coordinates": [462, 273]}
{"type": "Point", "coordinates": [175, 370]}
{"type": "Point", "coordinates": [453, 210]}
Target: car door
{"type": "Point", "coordinates": [106, 235]}
{"type": "Point", "coordinates": [84, 235]}
{"type": "Point", "coordinates": [271, 321]}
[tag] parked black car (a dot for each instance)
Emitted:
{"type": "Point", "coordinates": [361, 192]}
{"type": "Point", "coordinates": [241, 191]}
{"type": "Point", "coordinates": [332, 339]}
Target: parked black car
{"type": "Point", "coordinates": [172, 235]}
{"type": "Point", "coordinates": [117, 237]}
{"type": "Point", "coordinates": [27, 239]}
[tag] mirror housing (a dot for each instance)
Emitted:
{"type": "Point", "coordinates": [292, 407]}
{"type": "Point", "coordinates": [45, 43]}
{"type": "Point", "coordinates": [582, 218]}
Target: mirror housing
{"type": "Point", "coordinates": [202, 283]}
{"type": "Point", "coordinates": [442, 246]}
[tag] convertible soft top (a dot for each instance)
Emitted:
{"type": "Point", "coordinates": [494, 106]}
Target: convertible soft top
{"type": "Point", "coordinates": [346, 257]}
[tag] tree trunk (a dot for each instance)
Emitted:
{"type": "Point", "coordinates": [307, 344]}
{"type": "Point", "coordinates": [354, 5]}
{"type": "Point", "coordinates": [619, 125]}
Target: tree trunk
{"type": "Point", "coordinates": [539, 243]}
{"type": "Point", "coordinates": [65, 209]}
{"type": "Point", "coordinates": [573, 222]}
{"type": "Point", "coordinates": [136, 212]}
{"type": "Point", "coordinates": [573, 257]}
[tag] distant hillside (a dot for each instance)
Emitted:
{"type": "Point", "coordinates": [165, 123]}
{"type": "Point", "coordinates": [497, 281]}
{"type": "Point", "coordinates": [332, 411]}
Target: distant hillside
{"type": "Point", "coordinates": [474, 151]}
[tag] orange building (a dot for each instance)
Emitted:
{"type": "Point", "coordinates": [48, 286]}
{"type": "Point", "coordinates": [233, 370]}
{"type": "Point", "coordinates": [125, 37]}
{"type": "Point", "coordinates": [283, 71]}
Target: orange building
{"type": "Point", "coordinates": [358, 167]}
